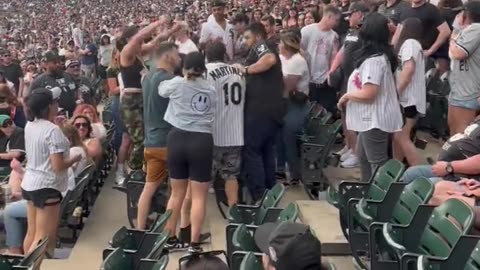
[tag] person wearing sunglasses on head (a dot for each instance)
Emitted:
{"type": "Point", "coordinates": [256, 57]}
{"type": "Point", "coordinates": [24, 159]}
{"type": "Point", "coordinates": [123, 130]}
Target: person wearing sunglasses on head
{"type": "Point", "coordinates": [12, 141]}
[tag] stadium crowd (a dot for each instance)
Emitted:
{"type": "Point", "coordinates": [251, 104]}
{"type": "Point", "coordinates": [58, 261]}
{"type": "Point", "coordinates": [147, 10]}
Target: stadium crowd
{"type": "Point", "coordinates": [209, 89]}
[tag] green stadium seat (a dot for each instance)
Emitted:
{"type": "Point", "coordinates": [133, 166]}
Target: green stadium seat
{"type": "Point", "coordinates": [400, 204]}
{"type": "Point", "coordinates": [433, 231]}
{"type": "Point", "coordinates": [250, 262]}
{"type": "Point", "coordinates": [131, 238]}
{"type": "Point", "coordinates": [252, 214]}
{"type": "Point", "coordinates": [30, 262]}
{"type": "Point", "coordinates": [314, 156]}
{"type": "Point", "coordinates": [375, 189]}
{"type": "Point", "coordinates": [147, 254]}
{"type": "Point", "coordinates": [146, 264]}
{"type": "Point", "coordinates": [464, 256]}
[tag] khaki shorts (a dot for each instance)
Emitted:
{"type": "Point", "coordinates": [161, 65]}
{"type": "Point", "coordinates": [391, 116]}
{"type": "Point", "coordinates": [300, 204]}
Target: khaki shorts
{"type": "Point", "coordinates": [156, 160]}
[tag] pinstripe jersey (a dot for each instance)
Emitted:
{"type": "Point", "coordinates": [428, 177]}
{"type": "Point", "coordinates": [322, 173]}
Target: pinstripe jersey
{"type": "Point", "coordinates": [415, 93]}
{"type": "Point", "coordinates": [48, 139]}
{"type": "Point", "coordinates": [384, 112]}
{"type": "Point", "coordinates": [229, 84]}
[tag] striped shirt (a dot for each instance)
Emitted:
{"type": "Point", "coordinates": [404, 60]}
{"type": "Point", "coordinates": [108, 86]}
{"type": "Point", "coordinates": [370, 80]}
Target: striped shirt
{"type": "Point", "coordinates": [230, 86]}
{"type": "Point", "coordinates": [415, 93]}
{"type": "Point", "coordinates": [47, 139]}
{"type": "Point", "coordinates": [211, 30]}
{"type": "Point", "coordinates": [384, 112]}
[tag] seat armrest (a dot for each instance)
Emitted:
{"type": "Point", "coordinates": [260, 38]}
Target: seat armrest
{"type": "Point", "coordinates": [361, 209]}
{"type": "Point", "coordinates": [351, 189]}
{"type": "Point", "coordinates": [387, 235]}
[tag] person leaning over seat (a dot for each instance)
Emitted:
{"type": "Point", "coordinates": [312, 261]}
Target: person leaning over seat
{"type": "Point", "coordinates": [288, 246]}
{"type": "Point", "coordinates": [46, 171]}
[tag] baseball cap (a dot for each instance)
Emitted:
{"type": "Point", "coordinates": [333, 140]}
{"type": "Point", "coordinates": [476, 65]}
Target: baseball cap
{"type": "Point", "coordinates": [289, 246]}
{"type": "Point", "coordinates": [4, 118]}
{"type": "Point", "coordinates": [357, 6]}
{"type": "Point", "coordinates": [218, 3]}
{"type": "Point", "coordinates": [50, 56]}
{"type": "Point", "coordinates": [71, 63]}
{"type": "Point", "coordinates": [472, 7]}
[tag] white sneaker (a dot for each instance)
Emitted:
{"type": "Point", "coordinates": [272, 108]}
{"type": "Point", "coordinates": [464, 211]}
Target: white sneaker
{"type": "Point", "coordinates": [351, 162]}
{"type": "Point", "coordinates": [342, 151]}
{"type": "Point", "coordinates": [346, 155]}
{"type": "Point", "coordinates": [119, 178]}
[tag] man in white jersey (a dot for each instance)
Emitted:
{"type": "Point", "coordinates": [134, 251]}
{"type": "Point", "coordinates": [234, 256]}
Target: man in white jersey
{"type": "Point", "coordinates": [229, 84]}
{"type": "Point", "coordinates": [218, 29]}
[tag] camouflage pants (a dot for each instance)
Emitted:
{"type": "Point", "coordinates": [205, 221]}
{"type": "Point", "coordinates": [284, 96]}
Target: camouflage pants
{"type": "Point", "coordinates": [131, 111]}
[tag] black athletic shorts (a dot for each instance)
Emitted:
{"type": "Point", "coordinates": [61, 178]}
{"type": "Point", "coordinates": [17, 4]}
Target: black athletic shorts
{"type": "Point", "coordinates": [410, 112]}
{"type": "Point", "coordinates": [190, 155]}
{"type": "Point", "coordinates": [40, 197]}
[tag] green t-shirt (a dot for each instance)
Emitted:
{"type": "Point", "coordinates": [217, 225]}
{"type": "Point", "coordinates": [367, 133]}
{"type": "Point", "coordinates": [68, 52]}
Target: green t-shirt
{"type": "Point", "coordinates": [154, 107]}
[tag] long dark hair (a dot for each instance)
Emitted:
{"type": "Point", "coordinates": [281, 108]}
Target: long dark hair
{"type": "Point", "coordinates": [412, 28]}
{"type": "Point", "coordinates": [374, 40]}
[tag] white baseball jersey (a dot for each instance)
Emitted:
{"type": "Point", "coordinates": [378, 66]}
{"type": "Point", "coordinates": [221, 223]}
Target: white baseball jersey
{"type": "Point", "coordinates": [230, 86]}
{"type": "Point", "coordinates": [212, 30]}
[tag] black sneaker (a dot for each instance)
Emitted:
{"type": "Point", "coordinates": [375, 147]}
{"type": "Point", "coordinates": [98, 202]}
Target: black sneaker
{"type": "Point", "coordinates": [173, 244]}
{"type": "Point", "coordinates": [195, 248]}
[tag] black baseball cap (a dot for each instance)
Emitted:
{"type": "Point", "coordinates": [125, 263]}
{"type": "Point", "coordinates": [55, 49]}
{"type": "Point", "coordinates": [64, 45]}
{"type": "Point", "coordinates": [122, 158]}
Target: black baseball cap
{"type": "Point", "coordinates": [50, 56]}
{"type": "Point", "coordinates": [289, 245]}
{"type": "Point", "coordinates": [472, 7]}
{"type": "Point", "coordinates": [357, 6]}
{"type": "Point", "coordinates": [218, 3]}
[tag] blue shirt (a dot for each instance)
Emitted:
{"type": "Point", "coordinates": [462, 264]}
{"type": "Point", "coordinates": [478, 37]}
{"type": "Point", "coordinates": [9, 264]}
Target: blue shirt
{"type": "Point", "coordinates": [90, 58]}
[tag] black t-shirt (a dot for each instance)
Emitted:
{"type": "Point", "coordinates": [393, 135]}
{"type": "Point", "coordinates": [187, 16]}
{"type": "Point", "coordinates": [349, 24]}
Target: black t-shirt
{"type": "Point", "coordinates": [13, 73]}
{"type": "Point", "coordinates": [462, 146]}
{"type": "Point", "coordinates": [264, 95]}
{"type": "Point", "coordinates": [69, 88]}
{"type": "Point", "coordinates": [431, 19]}
{"type": "Point", "coordinates": [16, 142]}
{"type": "Point", "coordinates": [86, 89]}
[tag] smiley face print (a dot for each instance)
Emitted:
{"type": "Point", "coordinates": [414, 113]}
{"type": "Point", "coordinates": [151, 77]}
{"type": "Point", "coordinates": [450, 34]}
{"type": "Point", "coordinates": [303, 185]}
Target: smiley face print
{"type": "Point", "coordinates": [201, 102]}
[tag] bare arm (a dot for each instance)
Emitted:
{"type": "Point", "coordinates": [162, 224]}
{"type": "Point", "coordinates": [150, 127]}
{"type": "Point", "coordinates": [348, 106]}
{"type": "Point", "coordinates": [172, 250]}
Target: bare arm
{"type": "Point", "coordinates": [456, 52]}
{"type": "Point", "coordinates": [150, 47]}
{"type": "Point", "coordinates": [113, 86]}
{"type": "Point", "coordinates": [10, 155]}
{"type": "Point", "coordinates": [263, 64]}
{"type": "Point", "coordinates": [408, 69]}
{"type": "Point", "coordinates": [337, 60]}
{"type": "Point", "coordinates": [60, 164]}
{"type": "Point", "coordinates": [134, 45]}
{"type": "Point", "coordinates": [367, 95]}
{"type": "Point", "coordinates": [467, 166]}
{"type": "Point", "coordinates": [443, 34]}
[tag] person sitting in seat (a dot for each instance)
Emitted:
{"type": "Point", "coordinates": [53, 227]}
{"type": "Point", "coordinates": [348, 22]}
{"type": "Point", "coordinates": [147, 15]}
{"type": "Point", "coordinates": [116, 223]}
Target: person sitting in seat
{"type": "Point", "coordinates": [98, 129]}
{"type": "Point", "coordinates": [12, 141]}
{"type": "Point", "coordinates": [289, 245]}
{"type": "Point", "coordinates": [467, 190]}
{"type": "Point", "coordinates": [459, 157]}
{"type": "Point", "coordinates": [84, 127]}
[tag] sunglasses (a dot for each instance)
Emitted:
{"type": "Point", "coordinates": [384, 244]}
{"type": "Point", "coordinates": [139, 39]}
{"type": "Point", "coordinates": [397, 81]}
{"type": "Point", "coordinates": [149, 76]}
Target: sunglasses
{"type": "Point", "coordinates": [80, 125]}
{"type": "Point", "coordinates": [7, 123]}
{"type": "Point", "coordinates": [188, 260]}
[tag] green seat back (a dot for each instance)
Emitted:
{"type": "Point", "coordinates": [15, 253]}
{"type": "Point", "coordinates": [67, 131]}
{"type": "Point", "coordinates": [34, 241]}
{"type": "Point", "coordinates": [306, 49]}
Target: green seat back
{"type": "Point", "coordinates": [157, 250]}
{"type": "Point", "coordinates": [250, 262]}
{"type": "Point", "coordinates": [235, 214]}
{"type": "Point", "coordinates": [473, 263]}
{"type": "Point", "coordinates": [290, 213]}
{"type": "Point", "coordinates": [5, 264]}
{"type": "Point", "coordinates": [161, 221]}
{"type": "Point", "coordinates": [243, 240]}
{"type": "Point", "coordinates": [34, 258]}
{"type": "Point", "coordinates": [387, 174]}
{"type": "Point", "coordinates": [161, 264]}
{"type": "Point", "coordinates": [272, 198]}
{"type": "Point", "coordinates": [447, 223]}
{"type": "Point", "coordinates": [414, 194]}
{"type": "Point", "coordinates": [117, 260]}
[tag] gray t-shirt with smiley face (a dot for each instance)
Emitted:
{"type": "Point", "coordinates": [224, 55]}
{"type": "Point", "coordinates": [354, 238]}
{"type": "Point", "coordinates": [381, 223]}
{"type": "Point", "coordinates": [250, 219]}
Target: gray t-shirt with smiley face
{"type": "Point", "coordinates": [192, 103]}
